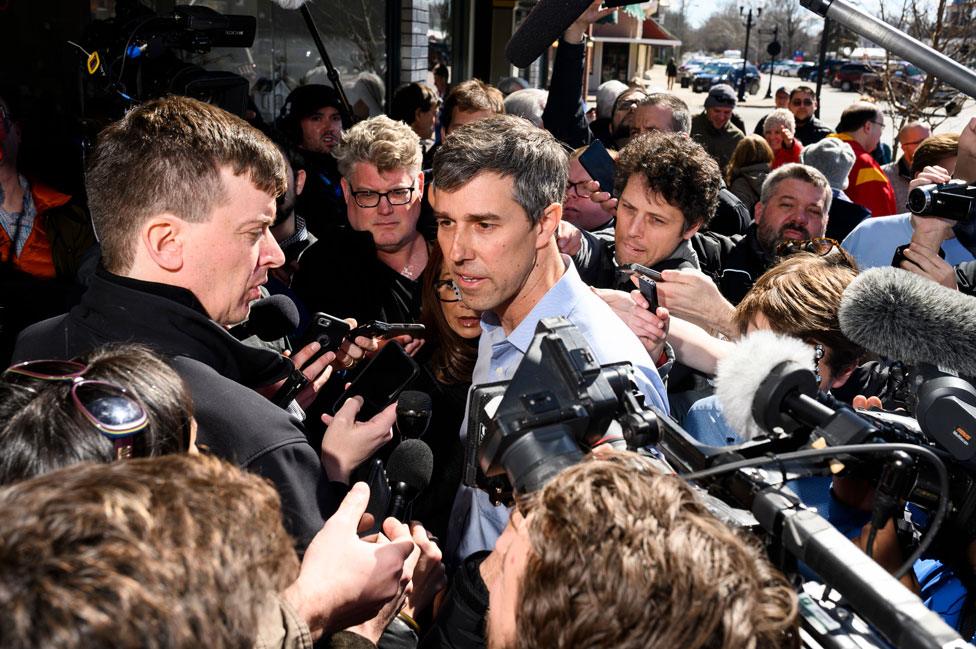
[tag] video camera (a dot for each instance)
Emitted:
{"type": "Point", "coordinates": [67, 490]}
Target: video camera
{"type": "Point", "coordinates": [561, 402]}
{"type": "Point", "coordinates": [955, 200]}
{"type": "Point", "coordinates": [132, 59]}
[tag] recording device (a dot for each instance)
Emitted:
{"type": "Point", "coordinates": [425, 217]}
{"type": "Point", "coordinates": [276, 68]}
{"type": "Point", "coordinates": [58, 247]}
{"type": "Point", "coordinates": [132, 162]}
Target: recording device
{"type": "Point", "coordinates": [409, 469]}
{"type": "Point", "coordinates": [559, 403]}
{"type": "Point", "coordinates": [137, 60]}
{"type": "Point", "coordinates": [955, 200]}
{"type": "Point", "coordinates": [897, 314]}
{"type": "Point", "coordinates": [379, 329]}
{"type": "Point", "coordinates": [544, 24]}
{"type": "Point", "coordinates": [379, 497]}
{"type": "Point", "coordinates": [380, 381]}
{"type": "Point", "coordinates": [648, 288]}
{"type": "Point", "coordinates": [270, 318]}
{"type": "Point", "coordinates": [644, 270]}
{"type": "Point", "coordinates": [413, 413]}
{"type": "Point", "coordinates": [326, 330]}
{"type": "Point", "coordinates": [598, 163]}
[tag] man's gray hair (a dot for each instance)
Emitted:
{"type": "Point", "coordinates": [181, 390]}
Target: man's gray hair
{"type": "Point", "coordinates": [387, 144]}
{"type": "Point", "coordinates": [512, 148]}
{"type": "Point", "coordinates": [795, 171]}
{"type": "Point", "coordinates": [680, 114]}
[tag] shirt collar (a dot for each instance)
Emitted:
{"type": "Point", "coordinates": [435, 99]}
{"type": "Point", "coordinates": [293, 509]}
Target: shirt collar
{"type": "Point", "coordinates": [558, 300]}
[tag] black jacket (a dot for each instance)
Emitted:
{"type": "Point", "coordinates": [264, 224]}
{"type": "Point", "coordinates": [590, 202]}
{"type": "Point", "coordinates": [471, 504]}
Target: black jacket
{"type": "Point", "coordinates": [812, 131]}
{"type": "Point", "coordinates": [235, 422]}
{"type": "Point", "coordinates": [564, 115]}
{"type": "Point", "coordinates": [743, 261]}
{"type": "Point", "coordinates": [321, 202]}
{"type": "Point", "coordinates": [341, 275]}
{"type": "Point", "coordinates": [844, 217]}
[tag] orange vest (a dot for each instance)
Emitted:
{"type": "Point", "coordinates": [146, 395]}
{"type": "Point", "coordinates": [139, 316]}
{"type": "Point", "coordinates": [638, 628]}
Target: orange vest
{"type": "Point", "coordinates": [35, 259]}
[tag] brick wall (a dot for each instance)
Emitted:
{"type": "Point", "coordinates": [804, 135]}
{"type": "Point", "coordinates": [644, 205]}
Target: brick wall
{"type": "Point", "coordinates": [413, 33]}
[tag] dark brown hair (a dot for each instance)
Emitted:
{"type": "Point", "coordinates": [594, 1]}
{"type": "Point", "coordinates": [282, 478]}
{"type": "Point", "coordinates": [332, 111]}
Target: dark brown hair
{"type": "Point", "coordinates": [625, 557]}
{"type": "Point", "coordinates": [800, 296]}
{"type": "Point", "coordinates": [453, 357]}
{"type": "Point", "coordinates": [677, 168]}
{"type": "Point", "coordinates": [857, 115]}
{"type": "Point", "coordinates": [750, 150]}
{"type": "Point", "coordinates": [154, 552]}
{"type": "Point", "coordinates": [469, 96]}
{"type": "Point", "coordinates": [166, 155]}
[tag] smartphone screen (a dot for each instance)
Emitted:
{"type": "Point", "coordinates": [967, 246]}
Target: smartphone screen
{"type": "Point", "coordinates": [648, 288]}
{"type": "Point", "coordinates": [599, 165]}
{"type": "Point", "coordinates": [381, 381]}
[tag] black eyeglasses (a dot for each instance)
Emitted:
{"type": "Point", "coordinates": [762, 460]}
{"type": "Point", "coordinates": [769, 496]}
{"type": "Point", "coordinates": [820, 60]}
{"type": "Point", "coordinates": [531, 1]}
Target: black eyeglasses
{"type": "Point", "coordinates": [447, 290]}
{"type": "Point", "coordinates": [111, 409]}
{"type": "Point", "coordinates": [397, 196]}
{"type": "Point", "coordinates": [577, 188]}
{"type": "Point", "coordinates": [818, 246]}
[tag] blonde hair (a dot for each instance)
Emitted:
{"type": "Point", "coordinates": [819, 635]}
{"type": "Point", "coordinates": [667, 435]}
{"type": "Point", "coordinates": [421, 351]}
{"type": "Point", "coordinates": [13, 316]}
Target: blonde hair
{"type": "Point", "coordinates": [382, 142]}
{"type": "Point", "coordinates": [780, 117]}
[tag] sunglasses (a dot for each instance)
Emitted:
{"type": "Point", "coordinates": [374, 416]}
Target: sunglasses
{"type": "Point", "coordinates": [801, 102]}
{"type": "Point", "coordinates": [111, 409]}
{"type": "Point", "coordinates": [818, 246]}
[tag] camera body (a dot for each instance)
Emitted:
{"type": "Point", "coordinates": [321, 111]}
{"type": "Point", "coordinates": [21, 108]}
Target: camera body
{"type": "Point", "coordinates": [955, 200]}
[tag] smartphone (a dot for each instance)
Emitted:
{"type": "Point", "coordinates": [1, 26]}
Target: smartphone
{"type": "Point", "coordinates": [645, 271]}
{"type": "Point", "coordinates": [380, 381]}
{"type": "Point", "coordinates": [598, 163]}
{"type": "Point", "coordinates": [379, 329]}
{"type": "Point", "coordinates": [619, 3]}
{"type": "Point", "coordinates": [648, 288]}
{"type": "Point", "coordinates": [379, 497]}
{"type": "Point", "coordinates": [327, 331]}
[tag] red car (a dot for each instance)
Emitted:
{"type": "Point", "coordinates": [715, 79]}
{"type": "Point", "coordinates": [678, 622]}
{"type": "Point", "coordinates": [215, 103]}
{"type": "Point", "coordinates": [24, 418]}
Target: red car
{"type": "Point", "coordinates": [848, 76]}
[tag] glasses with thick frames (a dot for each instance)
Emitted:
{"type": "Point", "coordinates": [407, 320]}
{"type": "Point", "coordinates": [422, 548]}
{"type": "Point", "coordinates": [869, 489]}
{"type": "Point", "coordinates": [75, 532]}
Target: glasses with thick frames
{"type": "Point", "coordinates": [447, 290]}
{"type": "Point", "coordinates": [396, 196]}
{"type": "Point", "coordinates": [111, 409]}
{"type": "Point", "coordinates": [578, 189]}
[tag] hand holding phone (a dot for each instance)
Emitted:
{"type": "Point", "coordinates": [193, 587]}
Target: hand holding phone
{"type": "Point", "coordinates": [380, 329]}
{"type": "Point", "coordinates": [597, 162]}
{"type": "Point", "coordinates": [380, 382]}
{"type": "Point", "coordinates": [648, 288]}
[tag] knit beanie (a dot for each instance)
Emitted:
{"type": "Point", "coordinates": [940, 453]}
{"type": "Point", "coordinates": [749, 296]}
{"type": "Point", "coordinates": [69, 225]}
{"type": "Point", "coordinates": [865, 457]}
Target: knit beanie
{"type": "Point", "coordinates": [606, 96]}
{"type": "Point", "coordinates": [720, 95]}
{"type": "Point", "coordinates": [832, 157]}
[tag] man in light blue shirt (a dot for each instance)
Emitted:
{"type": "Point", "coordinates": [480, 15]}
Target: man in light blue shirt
{"type": "Point", "coordinates": [873, 242]}
{"type": "Point", "coordinates": [497, 192]}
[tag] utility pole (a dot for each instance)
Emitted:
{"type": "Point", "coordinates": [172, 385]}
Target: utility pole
{"type": "Point", "coordinates": [745, 53]}
{"type": "Point", "coordinates": [773, 49]}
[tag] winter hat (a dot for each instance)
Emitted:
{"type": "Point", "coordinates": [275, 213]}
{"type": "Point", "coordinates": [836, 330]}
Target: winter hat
{"type": "Point", "coordinates": [832, 157]}
{"type": "Point", "coordinates": [606, 97]}
{"type": "Point", "coordinates": [720, 95]}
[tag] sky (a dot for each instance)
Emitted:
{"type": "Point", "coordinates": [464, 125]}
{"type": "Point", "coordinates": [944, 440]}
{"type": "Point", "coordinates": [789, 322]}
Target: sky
{"type": "Point", "coordinates": [700, 10]}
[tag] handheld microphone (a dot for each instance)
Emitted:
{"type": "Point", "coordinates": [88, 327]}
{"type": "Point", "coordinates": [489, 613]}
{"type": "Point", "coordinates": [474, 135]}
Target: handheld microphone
{"type": "Point", "coordinates": [270, 318]}
{"type": "Point", "coordinates": [547, 20]}
{"type": "Point", "coordinates": [409, 469]}
{"type": "Point", "coordinates": [899, 315]}
{"type": "Point", "coordinates": [413, 413]}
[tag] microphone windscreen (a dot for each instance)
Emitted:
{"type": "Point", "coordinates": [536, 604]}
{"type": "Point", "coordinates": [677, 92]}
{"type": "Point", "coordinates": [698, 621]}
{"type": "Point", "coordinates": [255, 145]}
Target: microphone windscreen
{"type": "Point", "coordinates": [413, 403]}
{"type": "Point", "coordinates": [906, 317]}
{"type": "Point", "coordinates": [273, 317]}
{"type": "Point", "coordinates": [547, 20]}
{"type": "Point", "coordinates": [742, 371]}
{"type": "Point", "coordinates": [411, 463]}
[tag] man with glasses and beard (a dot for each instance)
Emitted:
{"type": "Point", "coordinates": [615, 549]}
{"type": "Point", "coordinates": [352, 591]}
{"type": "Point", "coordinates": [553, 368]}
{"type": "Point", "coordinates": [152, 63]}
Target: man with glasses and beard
{"type": "Point", "coordinates": [803, 104]}
{"type": "Point", "coordinates": [372, 272]}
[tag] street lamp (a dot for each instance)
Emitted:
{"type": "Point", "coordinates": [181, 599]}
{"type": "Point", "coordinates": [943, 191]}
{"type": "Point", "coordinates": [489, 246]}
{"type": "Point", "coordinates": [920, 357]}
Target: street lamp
{"type": "Point", "coordinates": [745, 53]}
{"type": "Point", "coordinates": [773, 50]}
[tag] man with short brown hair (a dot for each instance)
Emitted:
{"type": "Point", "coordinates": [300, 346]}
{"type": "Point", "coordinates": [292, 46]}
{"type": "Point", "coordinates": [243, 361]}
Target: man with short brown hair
{"type": "Point", "coordinates": [660, 571]}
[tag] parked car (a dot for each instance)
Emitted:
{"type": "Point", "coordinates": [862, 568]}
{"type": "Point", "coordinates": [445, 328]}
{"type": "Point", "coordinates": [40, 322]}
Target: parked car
{"type": "Point", "coordinates": [848, 76]}
{"type": "Point", "coordinates": [714, 74]}
{"type": "Point", "coordinates": [688, 70]}
{"type": "Point", "coordinates": [905, 79]}
{"type": "Point", "coordinates": [808, 71]}
{"type": "Point", "coordinates": [787, 68]}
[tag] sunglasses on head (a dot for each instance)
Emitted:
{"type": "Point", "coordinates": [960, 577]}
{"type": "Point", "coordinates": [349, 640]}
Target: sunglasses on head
{"type": "Point", "coordinates": [818, 246]}
{"type": "Point", "coordinates": [112, 410]}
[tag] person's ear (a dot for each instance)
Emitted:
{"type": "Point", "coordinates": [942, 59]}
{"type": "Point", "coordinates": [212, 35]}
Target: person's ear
{"type": "Point", "coordinates": [757, 212]}
{"type": "Point", "coordinates": [300, 178]}
{"type": "Point", "coordinates": [690, 232]}
{"type": "Point", "coordinates": [547, 225]}
{"type": "Point", "coordinates": [346, 190]}
{"type": "Point", "coordinates": [420, 183]}
{"type": "Point", "coordinates": [841, 378]}
{"type": "Point", "coordinates": [162, 239]}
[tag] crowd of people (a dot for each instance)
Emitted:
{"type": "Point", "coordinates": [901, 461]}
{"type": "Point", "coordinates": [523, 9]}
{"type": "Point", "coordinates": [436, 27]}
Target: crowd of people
{"type": "Point", "coordinates": [156, 491]}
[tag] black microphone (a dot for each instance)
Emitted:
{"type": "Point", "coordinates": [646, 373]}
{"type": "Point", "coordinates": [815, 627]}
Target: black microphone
{"type": "Point", "coordinates": [547, 20]}
{"type": "Point", "coordinates": [413, 413]}
{"type": "Point", "coordinates": [409, 469]}
{"type": "Point", "coordinates": [270, 318]}
{"type": "Point", "coordinates": [905, 317]}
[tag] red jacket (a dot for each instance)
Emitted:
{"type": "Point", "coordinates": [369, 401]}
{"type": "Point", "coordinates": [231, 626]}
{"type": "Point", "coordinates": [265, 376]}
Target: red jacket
{"type": "Point", "coordinates": [36, 258]}
{"type": "Point", "coordinates": [867, 184]}
{"type": "Point", "coordinates": [784, 156]}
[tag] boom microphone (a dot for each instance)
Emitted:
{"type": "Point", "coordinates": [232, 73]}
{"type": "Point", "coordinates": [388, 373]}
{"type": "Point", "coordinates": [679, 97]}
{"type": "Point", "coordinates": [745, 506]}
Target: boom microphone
{"type": "Point", "coordinates": [270, 318]}
{"type": "Point", "coordinates": [541, 27]}
{"type": "Point", "coordinates": [409, 469]}
{"type": "Point", "coordinates": [741, 374]}
{"type": "Point", "coordinates": [905, 317]}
